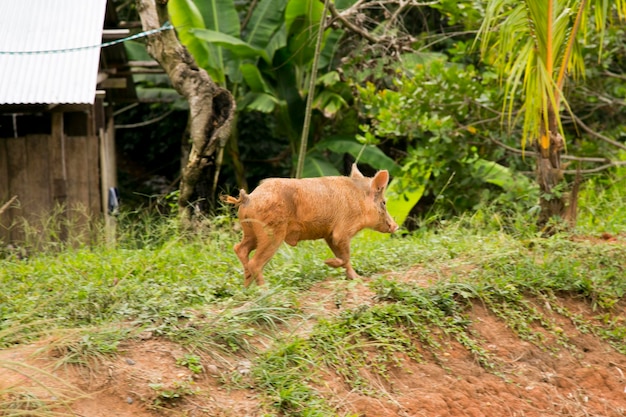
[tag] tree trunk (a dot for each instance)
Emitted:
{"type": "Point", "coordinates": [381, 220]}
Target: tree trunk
{"type": "Point", "coordinates": [550, 175]}
{"type": "Point", "coordinates": [211, 110]}
{"type": "Point", "coordinates": [233, 152]}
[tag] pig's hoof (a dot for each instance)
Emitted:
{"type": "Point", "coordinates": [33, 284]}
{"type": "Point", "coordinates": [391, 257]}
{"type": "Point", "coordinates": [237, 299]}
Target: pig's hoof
{"type": "Point", "coordinates": [334, 262]}
{"type": "Point", "coordinates": [351, 274]}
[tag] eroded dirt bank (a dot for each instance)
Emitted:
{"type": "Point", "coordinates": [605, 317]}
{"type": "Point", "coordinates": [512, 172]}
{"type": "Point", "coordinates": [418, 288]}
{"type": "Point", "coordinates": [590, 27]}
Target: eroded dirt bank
{"type": "Point", "coordinates": [585, 377]}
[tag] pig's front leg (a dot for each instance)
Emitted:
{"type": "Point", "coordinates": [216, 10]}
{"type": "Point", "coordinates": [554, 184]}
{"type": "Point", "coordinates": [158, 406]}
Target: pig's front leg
{"type": "Point", "coordinates": [341, 249]}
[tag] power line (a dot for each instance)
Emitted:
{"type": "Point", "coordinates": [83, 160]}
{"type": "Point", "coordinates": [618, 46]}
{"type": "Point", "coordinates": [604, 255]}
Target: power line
{"type": "Point", "coordinates": [166, 26]}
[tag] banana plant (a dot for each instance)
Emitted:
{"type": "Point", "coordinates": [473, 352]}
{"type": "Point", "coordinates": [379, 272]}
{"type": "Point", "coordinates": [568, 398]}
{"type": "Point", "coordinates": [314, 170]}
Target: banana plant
{"type": "Point", "coordinates": [276, 36]}
{"type": "Point", "coordinates": [265, 62]}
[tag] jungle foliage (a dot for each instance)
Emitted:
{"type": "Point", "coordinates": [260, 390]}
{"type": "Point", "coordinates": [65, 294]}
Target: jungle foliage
{"type": "Point", "coordinates": [401, 87]}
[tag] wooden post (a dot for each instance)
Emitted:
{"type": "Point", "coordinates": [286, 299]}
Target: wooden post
{"type": "Point", "coordinates": [108, 177]}
{"type": "Point", "coordinates": [58, 169]}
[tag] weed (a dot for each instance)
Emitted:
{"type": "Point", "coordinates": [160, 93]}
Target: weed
{"type": "Point", "coordinates": [167, 395]}
{"type": "Point", "coordinates": [191, 362]}
{"type": "Point", "coordinates": [286, 376]}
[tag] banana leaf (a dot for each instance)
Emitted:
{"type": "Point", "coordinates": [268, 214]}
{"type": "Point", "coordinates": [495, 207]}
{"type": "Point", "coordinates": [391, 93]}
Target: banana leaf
{"type": "Point", "coordinates": [369, 154]}
{"type": "Point", "coordinates": [186, 16]}
{"type": "Point", "coordinates": [238, 47]}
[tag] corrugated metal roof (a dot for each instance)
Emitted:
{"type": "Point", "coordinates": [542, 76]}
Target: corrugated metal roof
{"type": "Point", "coordinates": [29, 27]}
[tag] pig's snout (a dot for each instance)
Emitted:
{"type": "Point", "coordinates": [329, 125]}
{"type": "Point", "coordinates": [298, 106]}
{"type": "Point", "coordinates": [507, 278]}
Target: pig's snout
{"type": "Point", "coordinates": [390, 225]}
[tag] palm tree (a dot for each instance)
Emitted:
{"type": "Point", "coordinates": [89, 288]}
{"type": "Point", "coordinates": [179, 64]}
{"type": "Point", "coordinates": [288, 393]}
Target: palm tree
{"type": "Point", "coordinates": [535, 44]}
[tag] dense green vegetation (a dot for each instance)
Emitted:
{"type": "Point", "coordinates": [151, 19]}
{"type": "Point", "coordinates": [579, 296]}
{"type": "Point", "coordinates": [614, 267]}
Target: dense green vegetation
{"type": "Point", "coordinates": [408, 82]}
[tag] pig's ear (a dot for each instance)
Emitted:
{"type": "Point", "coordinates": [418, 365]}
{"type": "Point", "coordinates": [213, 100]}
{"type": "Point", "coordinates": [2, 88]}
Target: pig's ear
{"type": "Point", "coordinates": [380, 181]}
{"type": "Point", "coordinates": [355, 173]}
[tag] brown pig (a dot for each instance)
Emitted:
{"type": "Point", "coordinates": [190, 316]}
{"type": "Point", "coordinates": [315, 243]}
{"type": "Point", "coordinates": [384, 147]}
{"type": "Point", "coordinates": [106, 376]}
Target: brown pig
{"type": "Point", "coordinates": [291, 210]}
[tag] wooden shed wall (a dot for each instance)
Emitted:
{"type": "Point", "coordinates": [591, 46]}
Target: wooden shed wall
{"type": "Point", "coordinates": [57, 184]}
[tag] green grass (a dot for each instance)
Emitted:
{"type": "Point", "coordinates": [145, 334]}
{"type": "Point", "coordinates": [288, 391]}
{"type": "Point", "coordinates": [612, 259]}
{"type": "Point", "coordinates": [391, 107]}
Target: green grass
{"type": "Point", "coordinates": [188, 289]}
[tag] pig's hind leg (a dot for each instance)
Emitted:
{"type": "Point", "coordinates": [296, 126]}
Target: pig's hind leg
{"type": "Point", "coordinates": [243, 249]}
{"type": "Point", "coordinates": [267, 245]}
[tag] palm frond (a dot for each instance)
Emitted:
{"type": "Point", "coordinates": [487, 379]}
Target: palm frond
{"type": "Point", "coordinates": [572, 59]}
{"type": "Point", "coordinates": [535, 46]}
